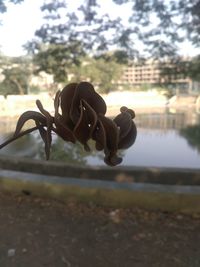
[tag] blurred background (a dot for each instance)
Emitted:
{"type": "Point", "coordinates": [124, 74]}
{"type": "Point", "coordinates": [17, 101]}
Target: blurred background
{"type": "Point", "coordinates": [143, 54]}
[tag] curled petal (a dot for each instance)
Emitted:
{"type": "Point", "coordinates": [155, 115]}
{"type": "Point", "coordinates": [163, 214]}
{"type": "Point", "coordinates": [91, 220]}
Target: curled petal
{"type": "Point", "coordinates": [66, 97]}
{"type": "Point", "coordinates": [81, 130]}
{"type": "Point", "coordinates": [128, 131]}
{"type": "Point", "coordinates": [112, 139]}
{"type": "Point", "coordinates": [91, 117]}
{"type": "Point", "coordinates": [124, 122]}
{"type": "Point", "coordinates": [85, 91]}
{"type": "Point", "coordinates": [43, 111]}
{"type": "Point", "coordinates": [99, 135]}
{"type": "Point", "coordinates": [49, 124]}
{"type": "Point", "coordinates": [57, 104]}
{"type": "Point", "coordinates": [61, 128]}
{"type": "Point", "coordinates": [129, 139]}
{"type": "Point", "coordinates": [47, 141]}
{"type": "Point", "coordinates": [63, 131]}
{"type": "Point", "coordinates": [29, 115]}
{"type": "Point", "coordinates": [128, 110]}
{"type": "Point", "coordinates": [112, 132]}
{"type": "Point", "coordinates": [112, 160]}
{"type": "Point", "coordinates": [86, 123]}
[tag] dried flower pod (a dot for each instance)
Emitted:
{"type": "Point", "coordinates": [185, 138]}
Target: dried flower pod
{"type": "Point", "coordinates": [82, 118]}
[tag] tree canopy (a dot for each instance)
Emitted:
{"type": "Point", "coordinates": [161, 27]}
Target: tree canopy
{"type": "Point", "coordinates": [157, 24]}
{"type": "Point", "coordinates": [76, 38]}
{"type": "Point", "coordinates": [153, 28]}
{"type": "Point", "coordinates": [102, 71]}
{"type": "Point", "coordinates": [16, 73]}
{"type": "Point", "coordinates": [3, 4]}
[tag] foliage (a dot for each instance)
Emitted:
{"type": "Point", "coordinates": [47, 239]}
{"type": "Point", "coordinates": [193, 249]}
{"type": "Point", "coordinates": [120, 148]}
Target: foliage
{"type": "Point", "coordinates": [145, 87]}
{"type": "Point", "coordinates": [156, 26]}
{"type": "Point", "coordinates": [3, 6]}
{"type": "Point", "coordinates": [70, 153]}
{"type": "Point", "coordinates": [163, 24]}
{"type": "Point", "coordinates": [61, 45]}
{"type": "Point", "coordinates": [100, 71]}
{"type": "Point", "coordinates": [34, 89]}
{"type": "Point", "coordinates": [85, 25]}
{"type": "Point", "coordinates": [58, 59]}
{"type": "Point", "coordinates": [16, 72]}
{"type": "Point", "coordinates": [160, 25]}
{"type": "Point", "coordinates": [180, 69]}
{"type": "Point", "coordinates": [69, 63]}
{"type": "Point", "coordinates": [194, 69]}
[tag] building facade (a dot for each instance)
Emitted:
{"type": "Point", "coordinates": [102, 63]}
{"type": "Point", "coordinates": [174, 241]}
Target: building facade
{"type": "Point", "coordinates": [152, 74]}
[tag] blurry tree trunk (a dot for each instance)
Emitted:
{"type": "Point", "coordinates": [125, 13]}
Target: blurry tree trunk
{"type": "Point", "coordinates": [20, 89]}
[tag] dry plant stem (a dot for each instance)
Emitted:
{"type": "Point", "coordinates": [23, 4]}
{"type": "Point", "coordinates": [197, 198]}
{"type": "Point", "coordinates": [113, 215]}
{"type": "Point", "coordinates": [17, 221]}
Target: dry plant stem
{"type": "Point", "coordinates": [18, 136]}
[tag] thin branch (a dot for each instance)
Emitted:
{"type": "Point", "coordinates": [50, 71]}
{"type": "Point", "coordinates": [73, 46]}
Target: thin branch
{"type": "Point", "coordinates": [18, 136]}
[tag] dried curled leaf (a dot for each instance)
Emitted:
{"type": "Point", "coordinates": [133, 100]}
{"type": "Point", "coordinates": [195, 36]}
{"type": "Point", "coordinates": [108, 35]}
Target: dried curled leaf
{"type": "Point", "coordinates": [85, 125]}
{"type": "Point", "coordinates": [29, 115]}
{"type": "Point", "coordinates": [127, 128]}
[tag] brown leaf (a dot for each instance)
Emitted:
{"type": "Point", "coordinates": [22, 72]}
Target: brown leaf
{"type": "Point", "coordinates": [85, 91]}
{"type": "Point", "coordinates": [29, 115]}
{"type": "Point", "coordinates": [86, 124]}
{"type": "Point", "coordinates": [112, 139]}
{"type": "Point", "coordinates": [47, 142]}
{"type": "Point", "coordinates": [129, 139]}
{"type": "Point", "coordinates": [63, 131]}
{"type": "Point", "coordinates": [49, 123]}
{"type": "Point", "coordinates": [57, 104]}
{"type": "Point", "coordinates": [123, 121]}
{"type": "Point", "coordinates": [99, 135]}
{"type": "Point", "coordinates": [91, 117]}
{"type": "Point", "coordinates": [66, 97]}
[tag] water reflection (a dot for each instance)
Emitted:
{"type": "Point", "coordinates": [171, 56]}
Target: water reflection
{"type": "Point", "coordinates": [31, 146]}
{"type": "Point", "coordinates": [168, 119]}
{"type": "Point", "coordinates": [165, 139]}
{"type": "Point", "coordinates": [67, 152]}
{"type": "Point", "coordinates": [192, 135]}
{"type": "Point", "coordinates": [158, 148]}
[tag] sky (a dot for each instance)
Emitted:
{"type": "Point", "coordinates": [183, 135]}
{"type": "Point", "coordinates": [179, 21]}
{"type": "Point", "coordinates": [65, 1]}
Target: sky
{"type": "Point", "coordinates": [21, 21]}
{"type": "Point", "coordinates": [18, 26]}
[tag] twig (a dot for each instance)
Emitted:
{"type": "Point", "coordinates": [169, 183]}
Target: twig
{"type": "Point", "coordinates": [18, 136]}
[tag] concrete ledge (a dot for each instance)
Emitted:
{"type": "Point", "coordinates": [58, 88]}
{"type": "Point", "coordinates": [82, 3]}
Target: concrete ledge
{"type": "Point", "coordinates": [167, 176]}
{"type": "Point", "coordinates": [107, 193]}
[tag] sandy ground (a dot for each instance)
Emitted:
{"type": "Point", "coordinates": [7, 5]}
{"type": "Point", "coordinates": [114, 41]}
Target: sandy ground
{"type": "Point", "coordinates": [36, 232]}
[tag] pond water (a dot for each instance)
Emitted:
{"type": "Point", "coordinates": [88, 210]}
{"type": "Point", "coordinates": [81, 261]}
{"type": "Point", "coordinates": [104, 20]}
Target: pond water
{"type": "Point", "coordinates": [165, 139]}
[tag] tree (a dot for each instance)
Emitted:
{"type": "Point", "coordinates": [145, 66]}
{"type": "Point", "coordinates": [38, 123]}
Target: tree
{"type": "Point", "coordinates": [3, 6]}
{"type": "Point", "coordinates": [194, 69]}
{"type": "Point", "coordinates": [162, 24]}
{"type": "Point", "coordinates": [156, 25]}
{"type": "Point", "coordinates": [181, 69]}
{"type": "Point", "coordinates": [103, 71]}
{"type": "Point", "coordinates": [58, 59]}
{"type": "Point", "coordinates": [85, 25]}
{"type": "Point", "coordinates": [60, 47]}
{"type": "Point", "coordinates": [159, 24]}
{"type": "Point", "coordinates": [16, 72]}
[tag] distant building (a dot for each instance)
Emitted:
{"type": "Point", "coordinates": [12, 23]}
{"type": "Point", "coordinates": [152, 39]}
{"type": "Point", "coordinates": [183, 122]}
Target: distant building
{"type": "Point", "coordinates": [151, 74]}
